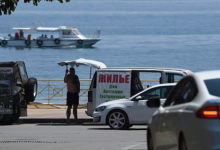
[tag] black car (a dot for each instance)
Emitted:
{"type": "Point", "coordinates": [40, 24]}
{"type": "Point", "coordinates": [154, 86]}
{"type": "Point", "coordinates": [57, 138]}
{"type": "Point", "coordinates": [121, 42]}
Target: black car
{"type": "Point", "coordinates": [16, 91]}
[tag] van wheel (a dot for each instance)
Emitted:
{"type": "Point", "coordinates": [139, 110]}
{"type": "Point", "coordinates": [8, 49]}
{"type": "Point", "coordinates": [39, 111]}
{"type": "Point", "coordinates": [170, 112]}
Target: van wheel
{"type": "Point", "coordinates": [31, 89]}
{"type": "Point", "coordinates": [182, 143]}
{"type": "Point", "coordinates": [118, 119]}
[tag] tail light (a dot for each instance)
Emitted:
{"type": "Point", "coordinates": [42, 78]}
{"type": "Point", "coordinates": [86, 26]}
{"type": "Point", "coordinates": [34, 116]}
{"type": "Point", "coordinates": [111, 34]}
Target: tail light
{"type": "Point", "coordinates": [209, 112]}
{"type": "Point", "coordinates": [89, 96]}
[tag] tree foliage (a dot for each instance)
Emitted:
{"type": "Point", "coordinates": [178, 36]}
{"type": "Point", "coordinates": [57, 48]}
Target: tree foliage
{"type": "Point", "coordinates": [9, 6]}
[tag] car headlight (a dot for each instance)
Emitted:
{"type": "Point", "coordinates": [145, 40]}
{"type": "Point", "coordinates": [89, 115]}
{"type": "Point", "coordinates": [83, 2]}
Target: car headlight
{"type": "Point", "coordinates": [101, 108]}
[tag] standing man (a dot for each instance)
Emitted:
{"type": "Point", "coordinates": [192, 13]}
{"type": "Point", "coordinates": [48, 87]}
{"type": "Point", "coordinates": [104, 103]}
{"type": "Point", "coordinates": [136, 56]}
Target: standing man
{"type": "Point", "coordinates": [73, 89]}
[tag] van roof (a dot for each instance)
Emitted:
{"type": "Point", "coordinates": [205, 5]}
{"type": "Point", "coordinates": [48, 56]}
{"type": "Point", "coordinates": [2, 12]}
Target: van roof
{"type": "Point", "coordinates": [146, 69]}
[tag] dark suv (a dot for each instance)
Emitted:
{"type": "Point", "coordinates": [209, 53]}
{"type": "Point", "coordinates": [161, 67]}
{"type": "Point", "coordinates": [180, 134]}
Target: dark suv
{"type": "Point", "coordinates": [16, 91]}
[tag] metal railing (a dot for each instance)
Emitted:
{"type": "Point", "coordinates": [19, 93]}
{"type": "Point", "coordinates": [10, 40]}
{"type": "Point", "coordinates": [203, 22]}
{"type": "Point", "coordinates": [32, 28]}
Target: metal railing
{"type": "Point", "coordinates": [53, 91]}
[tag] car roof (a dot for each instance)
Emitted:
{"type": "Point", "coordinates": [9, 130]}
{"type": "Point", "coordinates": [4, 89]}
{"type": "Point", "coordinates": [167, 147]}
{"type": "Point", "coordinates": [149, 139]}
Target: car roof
{"type": "Point", "coordinates": [161, 85]}
{"type": "Point", "coordinates": [205, 75]}
{"type": "Point", "coordinates": [10, 63]}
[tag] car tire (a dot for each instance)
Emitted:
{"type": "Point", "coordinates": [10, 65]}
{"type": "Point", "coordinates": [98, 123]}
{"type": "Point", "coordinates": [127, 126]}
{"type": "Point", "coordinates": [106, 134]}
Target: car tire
{"type": "Point", "coordinates": [1, 119]}
{"type": "Point", "coordinates": [6, 120]}
{"type": "Point", "coordinates": [150, 144]}
{"type": "Point", "coordinates": [31, 89]}
{"type": "Point", "coordinates": [182, 143]}
{"type": "Point", "coordinates": [16, 114]}
{"type": "Point", "coordinates": [130, 125]}
{"type": "Point", "coordinates": [118, 119]}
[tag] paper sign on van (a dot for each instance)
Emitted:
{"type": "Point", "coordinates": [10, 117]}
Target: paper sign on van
{"type": "Point", "coordinates": [113, 85]}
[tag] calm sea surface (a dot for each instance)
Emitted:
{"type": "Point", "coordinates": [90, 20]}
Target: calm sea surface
{"type": "Point", "coordinates": [141, 33]}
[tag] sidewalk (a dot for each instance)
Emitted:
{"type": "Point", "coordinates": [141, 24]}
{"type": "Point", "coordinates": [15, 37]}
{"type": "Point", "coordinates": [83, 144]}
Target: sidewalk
{"type": "Point", "coordinates": [44, 113]}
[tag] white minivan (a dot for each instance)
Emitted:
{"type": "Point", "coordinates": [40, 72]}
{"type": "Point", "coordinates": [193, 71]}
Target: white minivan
{"type": "Point", "coordinates": [118, 83]}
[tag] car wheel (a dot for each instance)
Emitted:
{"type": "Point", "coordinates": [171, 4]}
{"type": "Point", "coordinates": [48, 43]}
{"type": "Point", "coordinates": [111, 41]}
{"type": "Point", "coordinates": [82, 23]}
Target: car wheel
{"type": "Point", "coordinates": [130, 125]}
{"type": "Point", "coordinates": [182, 143]}
{"type": "Point", "coordinates": [150, 144]}
{"type": "Point", "coordinates": [6, 120]}
{"type": "Point", "coordinates": [118, 120]}
{"type": "Point", "coordinates": [17, 113]}
{"type": "Point", "coordinates": [1, 119]}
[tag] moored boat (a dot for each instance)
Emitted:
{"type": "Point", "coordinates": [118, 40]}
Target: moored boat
{"type": "Point", "coordinates": [67, 37]}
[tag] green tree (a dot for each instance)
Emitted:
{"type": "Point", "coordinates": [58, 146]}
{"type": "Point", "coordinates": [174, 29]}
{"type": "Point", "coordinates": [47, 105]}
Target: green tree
{"type": "Point", "coordinates": [9, 6]}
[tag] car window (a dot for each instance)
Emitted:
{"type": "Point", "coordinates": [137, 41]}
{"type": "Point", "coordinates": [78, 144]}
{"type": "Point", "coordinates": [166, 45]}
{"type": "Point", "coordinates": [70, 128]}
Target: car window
{"type": "Point", "coordinates": [165, 91]}
{"type": "Point", "coordinates": [184, 92]}
{"type": "Point", "coordinates": [23, 72]}
{"type": "Point", "coordinates": [157, 92]}
{"type": "Point", "coordinates": [213, 86]}
{"type": "Point", "coordinates": [6, 73]}
{"type": "Point", "coordinates": [5, 87]}
{"type": "Point", "coordinates": [17, 75]}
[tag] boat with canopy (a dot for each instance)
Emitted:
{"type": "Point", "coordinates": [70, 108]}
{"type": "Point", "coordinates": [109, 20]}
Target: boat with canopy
{"type": "Point", "coordinates": [66, 37]}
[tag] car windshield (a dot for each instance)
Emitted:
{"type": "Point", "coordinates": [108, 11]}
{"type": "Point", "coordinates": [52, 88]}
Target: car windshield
{"type": "Point", "coordinates": [213, 86]}
{"type": "Point", "coordinates": [5, 88]}
{"type": "Point", "coordinates": [6, 73]}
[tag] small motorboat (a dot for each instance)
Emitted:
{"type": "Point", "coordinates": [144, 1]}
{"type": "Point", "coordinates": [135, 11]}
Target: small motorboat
{"type": "Point", "coordinates": [65, 37]}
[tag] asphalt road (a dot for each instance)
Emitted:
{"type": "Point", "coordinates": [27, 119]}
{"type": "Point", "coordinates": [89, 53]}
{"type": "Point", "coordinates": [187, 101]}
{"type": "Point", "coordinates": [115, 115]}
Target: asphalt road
{"type": "Point", "coordinates": [59, 136]}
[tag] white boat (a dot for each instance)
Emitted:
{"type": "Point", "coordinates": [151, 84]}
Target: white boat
{"type": "Point", "coordinates": [66, 37]}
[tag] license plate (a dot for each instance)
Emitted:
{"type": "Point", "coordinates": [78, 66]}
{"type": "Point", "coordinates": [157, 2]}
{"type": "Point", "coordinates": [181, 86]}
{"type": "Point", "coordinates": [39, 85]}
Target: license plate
{"type": "Point", "coordinates": [6, 111]}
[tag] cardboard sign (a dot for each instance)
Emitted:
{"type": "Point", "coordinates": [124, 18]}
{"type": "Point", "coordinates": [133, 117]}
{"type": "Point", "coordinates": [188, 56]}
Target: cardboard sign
{"type": "Point", "coordinates": [112, 85]}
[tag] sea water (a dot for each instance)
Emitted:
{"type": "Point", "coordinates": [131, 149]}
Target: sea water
{"type": "Point", "coordinates": [135, 33]}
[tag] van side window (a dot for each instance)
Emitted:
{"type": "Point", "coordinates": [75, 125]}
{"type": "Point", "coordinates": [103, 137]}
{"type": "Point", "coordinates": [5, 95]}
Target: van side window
{"type": "Point", "coordinates": [171, 78]}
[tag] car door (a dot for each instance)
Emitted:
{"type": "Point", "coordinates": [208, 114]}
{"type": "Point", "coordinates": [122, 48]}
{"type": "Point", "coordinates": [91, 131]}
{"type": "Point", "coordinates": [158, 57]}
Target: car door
{"type": "Point", "coordinates": [172, 115]}
{"type": "Point", "coordinates": [141, 112]}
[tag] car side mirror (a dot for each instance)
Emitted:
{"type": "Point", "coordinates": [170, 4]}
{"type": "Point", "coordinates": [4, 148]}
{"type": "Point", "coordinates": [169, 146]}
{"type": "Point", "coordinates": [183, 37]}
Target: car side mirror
{"type": "Point", "coordinates": [154, 102]}
{"type": "Point", "coordinates": [137, 98]}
